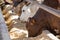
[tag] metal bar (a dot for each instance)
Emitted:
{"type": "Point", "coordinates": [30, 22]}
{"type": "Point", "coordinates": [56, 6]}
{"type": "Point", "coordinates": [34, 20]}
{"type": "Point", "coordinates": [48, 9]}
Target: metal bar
{"type": "Point", "coordinates": [50, 10]}
{"type": "Point", "coordinates": [3, 28]}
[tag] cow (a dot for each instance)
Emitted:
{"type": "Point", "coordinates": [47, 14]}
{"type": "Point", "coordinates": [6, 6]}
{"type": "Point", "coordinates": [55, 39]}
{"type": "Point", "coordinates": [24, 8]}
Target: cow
{"type": "Point", "coordinates": [43, 20]}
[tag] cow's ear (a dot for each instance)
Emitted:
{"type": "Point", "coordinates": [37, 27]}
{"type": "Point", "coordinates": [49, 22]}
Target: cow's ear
{"type": "Point", "coordinates": [34, 21]}
{"type": "Point", "coordinates": [31, 21]}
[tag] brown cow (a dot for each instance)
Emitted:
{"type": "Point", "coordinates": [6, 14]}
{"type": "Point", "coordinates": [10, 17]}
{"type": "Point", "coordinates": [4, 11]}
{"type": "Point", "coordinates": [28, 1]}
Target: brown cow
{"type": "Point", "coordinates": [41, 21]}
{"type": "Point", "coordinates": [44, 20]}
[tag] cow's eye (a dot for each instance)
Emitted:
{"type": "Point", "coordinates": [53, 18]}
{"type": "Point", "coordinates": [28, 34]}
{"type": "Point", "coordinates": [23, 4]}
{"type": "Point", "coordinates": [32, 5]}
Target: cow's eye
{"type": "Point", "coordinates": [23, 10]}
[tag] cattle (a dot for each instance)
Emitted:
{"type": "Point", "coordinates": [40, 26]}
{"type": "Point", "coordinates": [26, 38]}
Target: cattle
{"type": "Point", "coordinates": [41, 21]}
{"type": "Point", "coordinates": [44, 20]}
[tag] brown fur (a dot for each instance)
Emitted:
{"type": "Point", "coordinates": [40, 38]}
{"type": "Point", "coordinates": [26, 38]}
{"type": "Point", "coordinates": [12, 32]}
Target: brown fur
{"type": "Point", "coordinates": [43, 20]}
